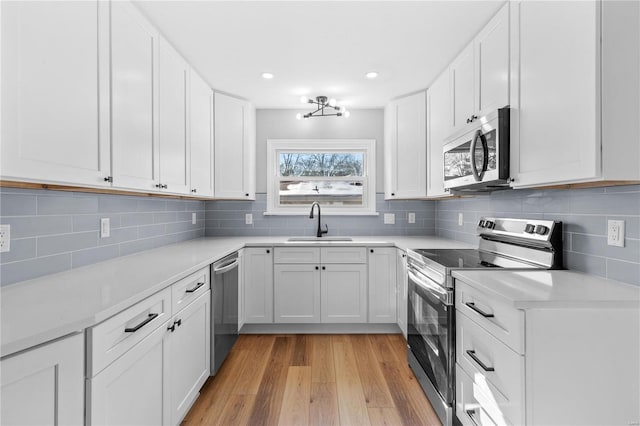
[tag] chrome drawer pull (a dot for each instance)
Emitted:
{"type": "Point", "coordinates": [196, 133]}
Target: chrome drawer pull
{"type": "Point", "coordinates": [150, 318]}
{"type": "Point", "coordinates": [472, 416]}
{"type": "Point", "coordinates": [473, 306]}
{"type": "Point", "coordinates": [191, 290]}
{"type": "Point", "coordinates": [473, 356]}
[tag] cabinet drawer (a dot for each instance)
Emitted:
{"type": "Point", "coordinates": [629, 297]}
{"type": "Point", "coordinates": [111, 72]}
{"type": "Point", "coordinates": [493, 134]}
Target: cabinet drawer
{"type": "Point", "coordinates": [189, 289]}
{"type": "Point", "coordinates": [470, 407]}
{"type": "Point", "coordinates": [504, 322]}
{"type": "Point", "coordinates": [343, 255]}
{"type": "Point", "coordinates": [297, 254]}
{"type": "Point", "coordinates": [497, 370]}
{"type": "Point", "coordinates": [110, 339]}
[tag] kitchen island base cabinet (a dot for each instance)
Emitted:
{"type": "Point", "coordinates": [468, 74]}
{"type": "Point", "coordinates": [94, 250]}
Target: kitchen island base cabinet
{"type": "Point", "coordinates": [44, 385]}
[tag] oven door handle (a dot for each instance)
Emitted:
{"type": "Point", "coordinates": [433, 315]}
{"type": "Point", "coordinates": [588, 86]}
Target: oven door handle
{"type": "Point", "coordinates": [437, 291]}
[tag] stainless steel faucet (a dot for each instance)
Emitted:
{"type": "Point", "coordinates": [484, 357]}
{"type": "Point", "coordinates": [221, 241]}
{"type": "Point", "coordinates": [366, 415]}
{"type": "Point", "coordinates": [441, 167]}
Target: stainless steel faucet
{"type": "Point", "coordinates": [320, 230]}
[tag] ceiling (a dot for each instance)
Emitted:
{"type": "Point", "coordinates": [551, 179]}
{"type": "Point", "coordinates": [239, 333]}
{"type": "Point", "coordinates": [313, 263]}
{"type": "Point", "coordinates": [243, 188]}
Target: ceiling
{"type": "Point", "coordinates": [319, 47]}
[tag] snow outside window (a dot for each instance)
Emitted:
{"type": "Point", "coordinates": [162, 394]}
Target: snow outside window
{"type": "Point", "coordinates": [339, 174]}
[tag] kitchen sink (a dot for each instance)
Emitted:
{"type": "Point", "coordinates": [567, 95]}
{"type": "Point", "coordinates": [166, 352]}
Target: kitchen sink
{"type": "Point", "coordinates": [317, 239]}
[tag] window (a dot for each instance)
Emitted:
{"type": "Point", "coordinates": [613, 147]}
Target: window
{"type": "Point", "coordinates": [339, 174]}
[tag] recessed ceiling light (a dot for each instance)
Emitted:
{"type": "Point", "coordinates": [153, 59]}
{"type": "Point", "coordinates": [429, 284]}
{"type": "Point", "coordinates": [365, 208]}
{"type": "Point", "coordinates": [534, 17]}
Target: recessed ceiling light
{"type": "Point", "coordinates": [371, 75]}
{"type": "Point", "coordinates": [267, 75]}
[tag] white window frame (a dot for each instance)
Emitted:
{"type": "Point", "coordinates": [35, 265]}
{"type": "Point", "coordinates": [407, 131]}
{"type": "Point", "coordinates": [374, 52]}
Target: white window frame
{"type": "Point", "coordinates": [368, 146]}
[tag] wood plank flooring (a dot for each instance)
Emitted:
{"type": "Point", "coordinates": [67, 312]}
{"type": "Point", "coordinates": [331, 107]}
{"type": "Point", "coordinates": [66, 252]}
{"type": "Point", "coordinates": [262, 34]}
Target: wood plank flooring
{"type": "Point", "coordinates": [314, 380]}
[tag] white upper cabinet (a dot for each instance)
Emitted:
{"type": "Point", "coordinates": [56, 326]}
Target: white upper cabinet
{"type": "Point", "coordinates": [134, 114]}
{"type": "Point", "coordinates": [173, 77]}
{"type": "Point", "coordinates": [201, 132]}
{"type": "Point", "coordinates": [234, 152]}
{"type": "Point", "coordinates": [405, 148]}
{"type": "Point", "coordinates": [575, 93]}
{"type": "Point", "coordinates": [479, 76]}
{"type": "Point", "coordinates": [55, 76]}
{"type": "Point", "coordinates": [438, 126]}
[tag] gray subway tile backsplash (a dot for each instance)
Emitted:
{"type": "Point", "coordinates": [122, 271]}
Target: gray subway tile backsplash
{"type": "Point", "coordinates": [53, 231]}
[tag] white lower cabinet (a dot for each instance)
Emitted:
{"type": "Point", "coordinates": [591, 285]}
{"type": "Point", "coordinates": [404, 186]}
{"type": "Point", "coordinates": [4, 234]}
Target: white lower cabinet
{"type": "Point", "coordinates": [382, 285]}
{"type": "Point", "coordinates": [296, 293]}
{"type": "Point", "coordinates": [257, 268]}
{"type": "Point", "coordinates": [344, 293]}
{"type": "Point", "coordinates": [402, 295]}
{"type": "Point", "coordinates": [44, 385]}
{"type": "Point", "coordinates": [546, 365]}
{"type": "Point", "coordinates": [189, 356]}
{"type": "Point", "coordinates": [146, 364]}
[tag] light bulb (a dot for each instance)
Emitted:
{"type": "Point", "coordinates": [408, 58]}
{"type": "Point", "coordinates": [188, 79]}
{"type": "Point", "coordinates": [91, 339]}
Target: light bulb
{"type": "Point", "coordinates": [346, 114]}
{"type": "Point", "coordinates": [298, 116]}
{"type": "Point", "coordinates": [332, 102]}
{"type": "Point", "coordinates": [304, 99]}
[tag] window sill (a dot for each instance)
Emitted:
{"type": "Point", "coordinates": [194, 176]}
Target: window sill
{"type": "Point", "coordinates": [324, 213]}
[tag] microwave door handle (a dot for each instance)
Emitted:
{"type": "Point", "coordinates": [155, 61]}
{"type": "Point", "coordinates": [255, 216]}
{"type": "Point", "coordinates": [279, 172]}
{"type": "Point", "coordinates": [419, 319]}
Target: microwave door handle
{"type": "Point", "coordinates": [485, 154]}
{"type": "Point", "coordinates": [472, 156]}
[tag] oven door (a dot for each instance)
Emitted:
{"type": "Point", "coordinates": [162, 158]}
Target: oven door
{"type": "Point", "coordinates": [431, 331]}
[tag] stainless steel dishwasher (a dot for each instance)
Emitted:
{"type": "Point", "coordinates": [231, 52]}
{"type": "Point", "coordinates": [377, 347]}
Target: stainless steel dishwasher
{"type": "Point", "coordinates": [224, 315]}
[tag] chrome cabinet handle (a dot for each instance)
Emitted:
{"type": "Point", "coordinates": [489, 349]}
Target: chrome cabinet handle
{"type": "Point", "coordinates": [473, 307]}
{"type": "Point", "coordinates": [472, 355]}
{"type": "Point", "coordinates": [150, 318]}
{"type": "Point", "coordinates": [197, 286]}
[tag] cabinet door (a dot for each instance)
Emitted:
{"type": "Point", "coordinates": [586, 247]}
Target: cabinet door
{"type": "Point", "coordinates": [258, 285]}
{"type": "Point", "coordinates": [390, 142]}
{"type": "Point", "coordinates": [249, 146]}
{"type": "Point", "coordinates": [555, 92]}
{"type": "Point", "coordinates": [438, 125]}
{"type": "Point", "coordinates": [382, 285]}
{"type": "Point", "coordinates": [296, 293]}
{"type": "Point", "coordinates": [491, 74]}
{"type": "Point", "coordinates": [173, 77]}
{"type": "Point", "coordinates": [55, 92]}
{"type": "Point", "coordinates": [344, 293]}
{"type": "Point", "coordinates": [189, 356]}
{"type": "Point", "coordinates": [134, 91]}
{"type": "Point", "coordinates": [462, 94]}
{"type": "Point", "coordinates": [402, 290]}
{"type": "Point", "coordinates": [408, 149]}
{"type": "Point", "coordinates": [231, 149]}
{"type": "Point", "coordinates": [45, 385]}
{"type": "Point", "coordinates": [201, 132]}
{"type": "Point", "coordinates": [130, 391]}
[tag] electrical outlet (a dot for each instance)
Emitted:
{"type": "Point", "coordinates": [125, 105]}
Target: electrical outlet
{"type": "Point", "coordinates": [460, 219]}
{"type": "Point", "coordinates": [411, 217]}
{"type": "Point", "coordinates": [5, 238]}
{"type": "Point", "coordinates": [193, 218]}
{"type": "Point", "coordinates": [615, 233]}
{"type": "Point", "coordinates": [389, 218]}
{"type": "Point", "coordinates": [105, 227]}
{"type": "Point", "coordinates": [248, 219]}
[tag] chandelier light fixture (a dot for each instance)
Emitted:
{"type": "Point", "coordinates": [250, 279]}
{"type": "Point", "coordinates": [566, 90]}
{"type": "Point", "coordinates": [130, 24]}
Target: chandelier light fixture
{"type": "Point", "coordinates": [322, 102]}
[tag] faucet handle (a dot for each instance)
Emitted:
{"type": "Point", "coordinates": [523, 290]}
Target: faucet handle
{"type": "Point", "coordinates": [325, 230]}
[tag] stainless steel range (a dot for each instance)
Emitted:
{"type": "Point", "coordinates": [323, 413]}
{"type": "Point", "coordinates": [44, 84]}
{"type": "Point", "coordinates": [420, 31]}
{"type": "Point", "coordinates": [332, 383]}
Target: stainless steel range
{"type": "Point", "coordinates": [504, 243]}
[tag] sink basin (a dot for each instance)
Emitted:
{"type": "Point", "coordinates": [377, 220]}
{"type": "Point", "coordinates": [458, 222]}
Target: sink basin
{"type": "Point", "coordinates": [317, 239]}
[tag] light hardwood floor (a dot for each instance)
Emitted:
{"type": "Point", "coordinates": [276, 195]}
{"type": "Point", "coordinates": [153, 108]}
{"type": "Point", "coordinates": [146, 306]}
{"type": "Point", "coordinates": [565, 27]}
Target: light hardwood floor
{"type": "Point", "coordinates": [314, 380]}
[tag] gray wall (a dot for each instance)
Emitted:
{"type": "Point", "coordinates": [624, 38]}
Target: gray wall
{"type": "Point", "coordinates": [226, 218]}
{"type": "Point", "coordinates": [282, 124]}
{"type": "Point", "coordinates": [584, 213]}
{"type": "Point", "coordinates": [53, 231]}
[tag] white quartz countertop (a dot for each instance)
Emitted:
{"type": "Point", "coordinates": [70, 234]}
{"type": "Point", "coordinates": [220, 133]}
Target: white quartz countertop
{"type": "Point", "coordinates": [39, 310]}
{"type": "Point", "coordinates": [552, 289]}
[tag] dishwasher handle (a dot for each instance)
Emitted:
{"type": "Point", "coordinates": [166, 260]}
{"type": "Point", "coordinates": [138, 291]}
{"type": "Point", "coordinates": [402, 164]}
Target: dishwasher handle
{"type": "Point", "coordinates": [221, 269]}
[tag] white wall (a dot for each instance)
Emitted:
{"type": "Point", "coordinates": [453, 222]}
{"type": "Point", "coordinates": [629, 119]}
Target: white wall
{"type": "Point", "coordinates": [282, 124]}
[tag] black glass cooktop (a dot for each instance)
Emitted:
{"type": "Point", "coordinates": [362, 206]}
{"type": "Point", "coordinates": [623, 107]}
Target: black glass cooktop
{"type": "Point", "coordinates": [458, 258]}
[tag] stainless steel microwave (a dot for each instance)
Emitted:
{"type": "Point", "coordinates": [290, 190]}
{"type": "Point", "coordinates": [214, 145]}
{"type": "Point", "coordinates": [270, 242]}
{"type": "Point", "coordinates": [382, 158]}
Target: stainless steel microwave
{"type": "Point", "coordinates": [477, 158]}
